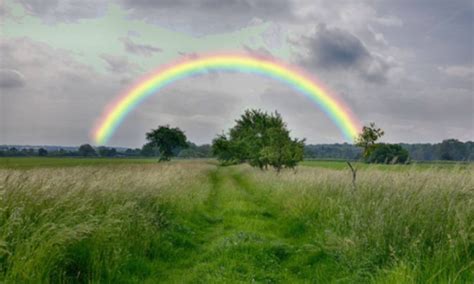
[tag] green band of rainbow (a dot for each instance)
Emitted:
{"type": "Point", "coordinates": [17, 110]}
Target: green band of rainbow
{"type": "Point", "coordinates": [335, 108]}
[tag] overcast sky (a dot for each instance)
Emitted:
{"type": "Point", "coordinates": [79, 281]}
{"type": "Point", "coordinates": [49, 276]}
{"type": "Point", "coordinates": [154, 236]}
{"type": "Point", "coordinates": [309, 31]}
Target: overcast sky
{"type": "Point", "coordinates": [407, 65]}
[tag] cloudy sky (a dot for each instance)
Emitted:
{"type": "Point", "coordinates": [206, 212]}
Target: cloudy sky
{"type": "Point", "coordinates": [408, 65]}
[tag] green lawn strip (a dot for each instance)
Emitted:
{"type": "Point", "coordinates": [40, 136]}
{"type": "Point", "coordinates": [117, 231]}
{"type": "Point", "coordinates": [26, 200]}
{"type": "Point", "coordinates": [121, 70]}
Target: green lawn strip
{"type": "Point", "coordinates": [236, 237]}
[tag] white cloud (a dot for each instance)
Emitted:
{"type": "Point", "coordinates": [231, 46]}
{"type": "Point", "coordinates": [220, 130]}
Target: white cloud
{"type": "Point", "coordinates": [460, 71]}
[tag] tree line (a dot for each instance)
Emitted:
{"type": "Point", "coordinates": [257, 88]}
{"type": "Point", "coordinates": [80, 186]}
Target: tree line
{"type": "Point", "coordinates": [263, 140]}
{"type": "Point", "coordinates": [447, 150]}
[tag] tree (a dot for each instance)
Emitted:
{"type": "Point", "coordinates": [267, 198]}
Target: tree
{"type": "Point", "coordinates": [86, 150]}
{"type": "Point", "coordinates": [42, 152]}
{"type": "Point", "coordinates": [167, 140]}
{"type": "Point", "coordinates": [107, 152]}
{"type": "Point", "coordinates": [260, 139]}
{"type": "Point", "coordinates": [224, 150]}
{"type": "Point", "coordinates": [281, 150]}
{"type": "Point", "coordinates": [367, 138]}
{"type": "Point", "coordinates": [452, 149]}
{"type": "Point", "coordinates": [149, 150]}
{"type": "Point", "coordinates": [388, 154]}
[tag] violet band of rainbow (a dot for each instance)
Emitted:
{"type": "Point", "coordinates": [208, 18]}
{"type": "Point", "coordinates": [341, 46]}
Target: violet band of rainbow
{"type": "Point", "coordinates": [332, 106]}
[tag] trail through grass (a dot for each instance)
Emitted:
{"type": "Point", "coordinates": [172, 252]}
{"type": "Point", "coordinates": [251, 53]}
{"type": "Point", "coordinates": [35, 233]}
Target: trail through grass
{"type": "Point", "coordinates": [239, 236]}
{"type": "Point", "coordinates": [195, 222]}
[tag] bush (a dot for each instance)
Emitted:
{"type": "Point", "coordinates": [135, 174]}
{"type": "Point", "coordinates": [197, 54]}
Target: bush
{"type": "Point", "coordinates": [387, 154]}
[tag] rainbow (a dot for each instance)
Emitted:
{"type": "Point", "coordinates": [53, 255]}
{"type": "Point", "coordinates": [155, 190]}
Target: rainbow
{"type": "Point", "coordinates": [117, 111]}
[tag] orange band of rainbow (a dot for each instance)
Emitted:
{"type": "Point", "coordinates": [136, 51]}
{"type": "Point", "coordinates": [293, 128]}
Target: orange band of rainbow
{"type": "Point", "coordinates": [335, 108]}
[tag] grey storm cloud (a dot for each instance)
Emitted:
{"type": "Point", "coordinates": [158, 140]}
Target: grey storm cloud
{"type": "Point", "coordinates": [407, 65]}
{"type": "Point", "coordinates": [61, 100]}
{"type": "Point", "coordinates": [11, 78]}
{"type": "Point", "coordinates": [209, 16]}
{"type": "Point", "coordinates": [65, 10]}
{"type": "Point", "coordinates": [139, 49]}
{"type": "Point", "coordinates": [118, 64]}
{"type": "Point", "coordinates": [334, 48]}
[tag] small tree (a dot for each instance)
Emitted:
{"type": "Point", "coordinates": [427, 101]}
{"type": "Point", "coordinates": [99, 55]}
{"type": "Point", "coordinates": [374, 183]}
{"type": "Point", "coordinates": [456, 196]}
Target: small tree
{"type": "Point", "coordinates": [42, 152]}
{"type": "Point", "coordinates": [107, 152]}
{"type": "Point", "coordinates": [167, 140]}
{"type": "Point", "coordinates": [86, 150]}
{"type": "Point", "coordinates": [367, 138]}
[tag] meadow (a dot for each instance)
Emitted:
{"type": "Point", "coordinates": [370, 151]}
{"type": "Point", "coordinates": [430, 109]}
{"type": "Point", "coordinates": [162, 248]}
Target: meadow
{"type": "Point", "coordinates": [138, 221]}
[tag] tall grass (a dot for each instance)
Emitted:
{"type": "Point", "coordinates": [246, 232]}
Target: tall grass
{"type": "Point", "coordinates": [397, 227]}
{"type": "Point", "coordinates": [93, 223]}
{"type": "Point", "coordinates": [132, 223]}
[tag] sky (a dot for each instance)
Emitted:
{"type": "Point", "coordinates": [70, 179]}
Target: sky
{"type": "Point", "coordinates": [407, 65]}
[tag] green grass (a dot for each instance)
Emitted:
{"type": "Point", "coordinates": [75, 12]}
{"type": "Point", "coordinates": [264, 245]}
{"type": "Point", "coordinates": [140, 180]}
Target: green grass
{"type": "Point", "coordinates": [50, 162]}
{"type": "Point", "coordinates": [39, 162]}
{"type": "Point", "coordinates": [424, 165]}
{"type": "Point", "coordinates": [195, 222]}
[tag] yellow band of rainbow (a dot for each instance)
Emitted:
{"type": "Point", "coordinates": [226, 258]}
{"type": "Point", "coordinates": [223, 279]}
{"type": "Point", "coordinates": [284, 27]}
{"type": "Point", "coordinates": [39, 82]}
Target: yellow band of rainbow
{"type": "Point", "coordinates": [335, 108]}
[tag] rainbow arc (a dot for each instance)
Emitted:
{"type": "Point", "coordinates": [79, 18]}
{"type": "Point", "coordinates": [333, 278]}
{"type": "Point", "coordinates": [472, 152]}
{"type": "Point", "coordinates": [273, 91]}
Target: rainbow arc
{"type": "Point", "coordinates": [334, 107]}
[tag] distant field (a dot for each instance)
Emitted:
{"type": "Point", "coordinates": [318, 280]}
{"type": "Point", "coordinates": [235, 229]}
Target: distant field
{"type": "Point", "coordinates": [27, 162]}
{"type": "Point", "coordinates": [139, 221]}
{"type": "Point", "coordinates": [425, 165]}
{"type": "Point", "coordinates": [36, 162]}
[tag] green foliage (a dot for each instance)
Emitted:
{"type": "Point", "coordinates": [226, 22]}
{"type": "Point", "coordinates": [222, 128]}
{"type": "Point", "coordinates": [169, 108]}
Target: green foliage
{"type": "Point", "coordinates": [452, 149]}
{"type": "Point", "coordinates": [225, 151]}
{"type": "Point", "coordinates": [87, 150]}
{"type": "Point", "coordinates": [262, 140]}
{"type": "Point", "coordinates": [42, 152]}
{"type": "Point", "coordinates": [367, 138]}
{"type": "Point", "coordinates": [387, 154]}
{"type": "Point", "coordinates": [149, 150]}
{"type": "Point", "coordinates": [107, 152]}
{"type": "Point", "coordinates": [281, 151]}
{"type": "Point", "coordinates": [167, 140]}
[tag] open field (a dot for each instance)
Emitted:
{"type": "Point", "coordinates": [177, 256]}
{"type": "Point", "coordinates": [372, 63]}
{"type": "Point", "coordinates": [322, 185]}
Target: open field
{"type": "Point", "coordinates": [51, 162]}
{"type": "Point", "coordinates": [135, 221]}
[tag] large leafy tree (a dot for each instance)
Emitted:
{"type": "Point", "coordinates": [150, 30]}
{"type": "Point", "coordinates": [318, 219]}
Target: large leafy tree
{"type": "Point", "coordinates": [262, 140]}
{"type": "Point", "coordinates": [168, 140]}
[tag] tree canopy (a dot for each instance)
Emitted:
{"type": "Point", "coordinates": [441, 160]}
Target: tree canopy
{"type": "Point", "coordinates": [167, 140]}
{"type": "Point", "coordinates": [379, 152]}
{"type": "Point", "coordinates": [260, 139]}
{"type": "Point", "coordinates": [367, 138]}
{"type": "Point", "coordinates": [86, 150]}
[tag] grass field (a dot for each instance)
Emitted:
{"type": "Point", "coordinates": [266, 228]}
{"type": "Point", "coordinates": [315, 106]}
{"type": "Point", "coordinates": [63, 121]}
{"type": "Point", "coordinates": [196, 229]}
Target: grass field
{"type": "Point", "coordinates": [137, 221]}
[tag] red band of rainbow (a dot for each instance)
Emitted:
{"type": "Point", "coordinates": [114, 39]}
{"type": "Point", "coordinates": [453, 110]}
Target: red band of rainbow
{"type": "Point", "coordinates": [335, 108]}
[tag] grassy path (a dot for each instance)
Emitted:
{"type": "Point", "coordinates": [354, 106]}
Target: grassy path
{"type": "Point", "coordinates": [239, 236]}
